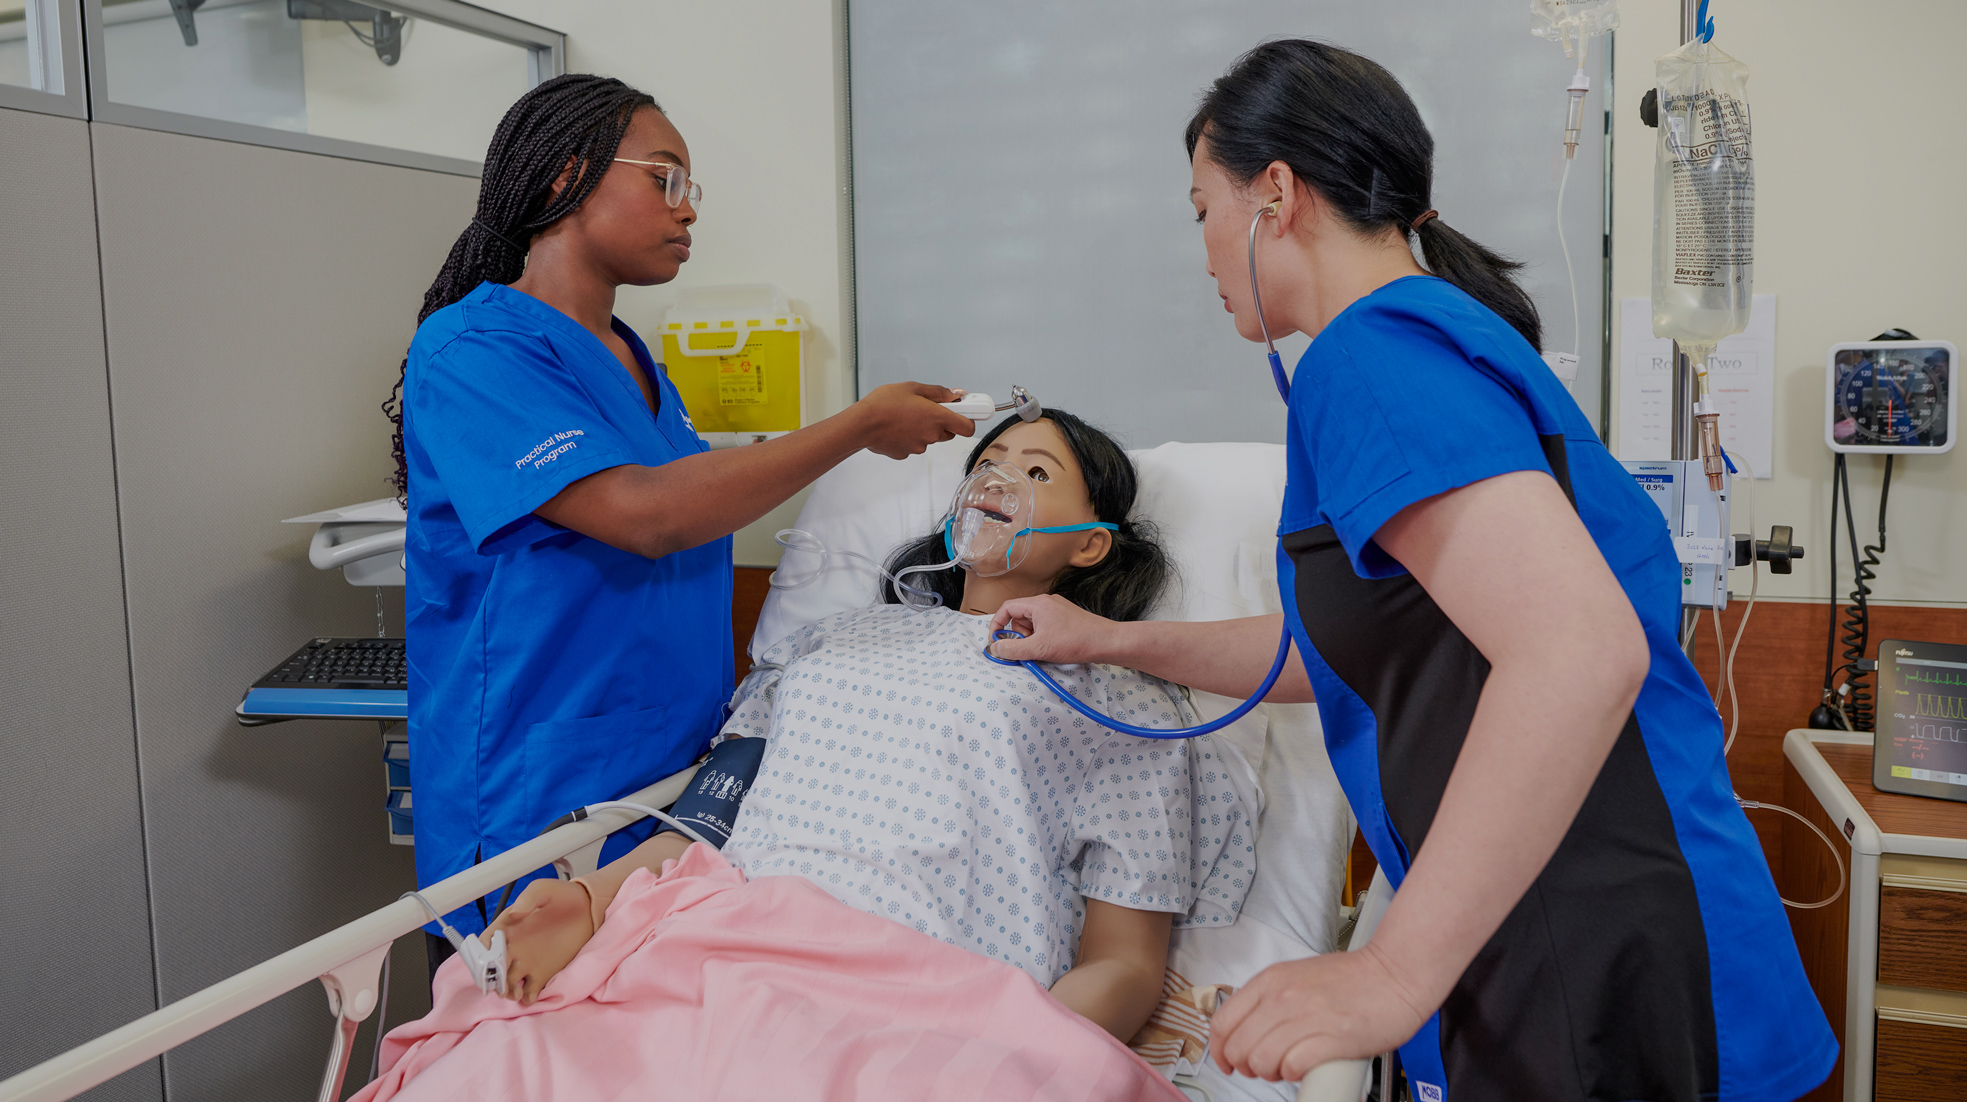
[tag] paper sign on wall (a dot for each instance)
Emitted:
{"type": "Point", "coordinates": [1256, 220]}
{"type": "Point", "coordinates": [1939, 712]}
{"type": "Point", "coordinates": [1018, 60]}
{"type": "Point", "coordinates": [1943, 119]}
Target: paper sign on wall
{"type": "Point", "coordinates": [1741, 379]}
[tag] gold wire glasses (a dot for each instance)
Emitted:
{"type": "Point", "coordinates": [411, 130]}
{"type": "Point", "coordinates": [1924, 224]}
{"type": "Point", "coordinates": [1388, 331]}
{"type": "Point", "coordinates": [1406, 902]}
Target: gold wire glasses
{"type": "Point", "coordinates": [677, 185]}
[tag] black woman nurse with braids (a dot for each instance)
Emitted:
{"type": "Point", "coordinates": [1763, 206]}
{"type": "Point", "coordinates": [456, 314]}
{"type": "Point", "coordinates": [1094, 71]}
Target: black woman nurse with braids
{"type": "Point", "coordinates": [569, 557]}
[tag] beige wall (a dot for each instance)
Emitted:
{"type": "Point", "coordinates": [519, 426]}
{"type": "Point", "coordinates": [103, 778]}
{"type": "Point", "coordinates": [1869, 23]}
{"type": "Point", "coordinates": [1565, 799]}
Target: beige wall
{"type": "Point", "coordinates": [1859, 150]}
{"type": "Point", "coordinates": [754, 87]}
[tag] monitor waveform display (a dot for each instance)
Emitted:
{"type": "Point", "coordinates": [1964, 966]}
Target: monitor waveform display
{"type": "Point", "coordinates": [1925, 713]}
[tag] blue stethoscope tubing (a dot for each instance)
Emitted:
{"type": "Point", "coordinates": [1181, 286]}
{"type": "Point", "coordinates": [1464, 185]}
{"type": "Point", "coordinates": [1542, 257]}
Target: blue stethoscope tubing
{"type": "Point", "coordinates": [1234, 714]}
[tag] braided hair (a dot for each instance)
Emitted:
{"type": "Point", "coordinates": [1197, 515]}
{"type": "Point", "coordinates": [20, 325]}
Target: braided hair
{"type": "Point", "coordinates": [1347, 128]}
{"type": "Point", "coordinates": [1123, 586]}
{"type": "Point", "coordinates": [571, 123]}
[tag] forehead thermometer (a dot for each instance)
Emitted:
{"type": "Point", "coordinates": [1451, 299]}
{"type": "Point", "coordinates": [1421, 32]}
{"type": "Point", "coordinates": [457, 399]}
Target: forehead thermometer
{"type": "Point", "coordinates": [981, 407]}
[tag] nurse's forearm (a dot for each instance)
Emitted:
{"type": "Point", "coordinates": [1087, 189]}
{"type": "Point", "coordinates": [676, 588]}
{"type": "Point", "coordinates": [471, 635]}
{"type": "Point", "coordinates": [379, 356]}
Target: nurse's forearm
{"type": "Point", "coordinates": [1226, 657]}
{"type": "Point", "coordinates": [654, 511]}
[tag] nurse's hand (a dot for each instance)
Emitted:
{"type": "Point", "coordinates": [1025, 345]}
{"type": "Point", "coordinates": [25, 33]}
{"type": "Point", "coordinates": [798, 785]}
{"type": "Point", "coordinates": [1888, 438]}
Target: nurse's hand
{"type": "Point", "coordinates": [544, 929]}
{"type": "Point", "coordinates": [1055, 630]}
{"type": "Point", "coordinates": [1302, 1013]}
{"type": "Point", "coordinates": [903, 419]}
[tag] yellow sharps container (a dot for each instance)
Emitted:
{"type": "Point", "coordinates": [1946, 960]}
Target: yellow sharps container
{"type": "Point", "coordinates": [736, 355]}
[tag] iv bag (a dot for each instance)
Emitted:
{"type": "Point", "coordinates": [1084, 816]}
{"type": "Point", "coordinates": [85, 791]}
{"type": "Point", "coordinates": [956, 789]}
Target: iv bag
{"type": "Point", "coordinates": [1703, 199]}
{"type": "Point", "coordinates": [1568, 22]}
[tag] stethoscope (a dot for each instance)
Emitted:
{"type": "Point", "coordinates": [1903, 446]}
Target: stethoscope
{"type": "Point", "coordinates": [1284, 641]}
{"type": "Point", "coordinates": [1257, 301]}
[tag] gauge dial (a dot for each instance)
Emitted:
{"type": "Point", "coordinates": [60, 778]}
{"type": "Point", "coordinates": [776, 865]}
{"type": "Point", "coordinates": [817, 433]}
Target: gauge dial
{"type": "Point", "coordinates": [1890, 398]}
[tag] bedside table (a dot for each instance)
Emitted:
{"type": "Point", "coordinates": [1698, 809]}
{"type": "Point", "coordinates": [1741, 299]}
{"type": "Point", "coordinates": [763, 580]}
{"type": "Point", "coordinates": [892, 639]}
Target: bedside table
{"type": "Point", "coordinates": [1888, 961]}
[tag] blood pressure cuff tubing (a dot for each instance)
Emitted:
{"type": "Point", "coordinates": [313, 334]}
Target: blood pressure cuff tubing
{"type": "Point", "coordinates": [710, 804]}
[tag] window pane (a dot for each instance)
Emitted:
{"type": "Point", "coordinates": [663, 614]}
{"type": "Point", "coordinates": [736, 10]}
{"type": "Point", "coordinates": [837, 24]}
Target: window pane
{"type": "Point", "coordinates": [332, 68]}
{"type": "Point", "coordinates": [30, 45]}
{"type": "Point", "coordinates": [445, 96]}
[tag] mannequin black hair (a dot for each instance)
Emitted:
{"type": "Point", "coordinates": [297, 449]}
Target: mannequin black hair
{"type": "Point", "coordinates": [572, 123]}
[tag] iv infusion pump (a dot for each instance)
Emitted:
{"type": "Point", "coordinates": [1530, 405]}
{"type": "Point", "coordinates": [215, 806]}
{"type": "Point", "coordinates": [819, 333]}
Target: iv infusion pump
{"type": "Point", "coordinates": [1697, 519]}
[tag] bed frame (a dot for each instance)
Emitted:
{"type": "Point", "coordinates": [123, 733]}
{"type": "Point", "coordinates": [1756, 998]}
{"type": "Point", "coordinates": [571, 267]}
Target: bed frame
{"type": "Point", "coordinates": [349, 962]}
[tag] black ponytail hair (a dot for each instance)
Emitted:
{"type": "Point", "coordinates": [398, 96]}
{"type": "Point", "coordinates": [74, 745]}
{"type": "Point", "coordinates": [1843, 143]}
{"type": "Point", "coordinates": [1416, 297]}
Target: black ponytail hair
{"type": "Point", "coordinates": [1122, 586]}
{"type": "Point", "coordinates": [1348, 130]}
{"type": "Point", "coordinates": [571, 123]}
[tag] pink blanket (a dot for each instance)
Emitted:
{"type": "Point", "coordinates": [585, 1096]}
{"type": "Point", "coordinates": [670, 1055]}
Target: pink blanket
{"type": "Point", "coordinates": [704, 985]}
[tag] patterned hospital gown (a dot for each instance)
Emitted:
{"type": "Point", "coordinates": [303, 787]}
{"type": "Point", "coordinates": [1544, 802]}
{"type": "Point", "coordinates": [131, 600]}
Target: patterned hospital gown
{"type": "Point", "coordinates": [911, 777]}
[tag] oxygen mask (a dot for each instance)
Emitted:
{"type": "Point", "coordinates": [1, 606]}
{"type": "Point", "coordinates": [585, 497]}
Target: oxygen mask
{"type": "Point", "coordinates": [992, 518]}
{"type": "Point", "coordinates": [993, 508]}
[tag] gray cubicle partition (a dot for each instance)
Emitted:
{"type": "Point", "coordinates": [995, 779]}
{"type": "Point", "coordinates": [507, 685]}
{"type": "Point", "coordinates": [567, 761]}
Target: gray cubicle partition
{"type": "Point", "coordinates": [195, 338]}
{"type": "Point", "coordinates": [1020, 191]}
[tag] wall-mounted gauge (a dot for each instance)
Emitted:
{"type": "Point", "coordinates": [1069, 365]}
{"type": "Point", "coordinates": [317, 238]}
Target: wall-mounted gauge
{"type": "Point", "coordinates": [1891, 397]}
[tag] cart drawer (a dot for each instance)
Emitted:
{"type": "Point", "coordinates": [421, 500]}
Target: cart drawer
{"type": "Point", "coordinates": [1922, 1046]}
{"type": "Point", "coordinates": [1922, 923]}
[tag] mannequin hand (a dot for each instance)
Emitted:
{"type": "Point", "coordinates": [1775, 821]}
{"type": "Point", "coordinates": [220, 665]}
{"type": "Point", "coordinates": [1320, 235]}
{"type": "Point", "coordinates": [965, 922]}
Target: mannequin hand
{"type": "Point", "coordinates": [903, 419]}
{"type": "Point", "coordinates": [1302, 1013]}
{"type": "Point", "coordinates": [1054, 629]}
{"type": "Point", "coordinates": [544, 929]}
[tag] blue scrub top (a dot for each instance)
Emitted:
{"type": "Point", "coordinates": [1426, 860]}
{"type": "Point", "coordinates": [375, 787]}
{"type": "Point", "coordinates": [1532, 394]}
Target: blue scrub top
{"type": "Point", "coordinates": [1652, 958]}
{"type": "Point", "coordinates": [547, 669]}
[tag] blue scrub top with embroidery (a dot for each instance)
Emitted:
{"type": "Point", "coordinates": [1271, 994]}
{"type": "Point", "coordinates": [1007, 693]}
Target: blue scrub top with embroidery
{"type": "Point", "coordinates": [547, 669]}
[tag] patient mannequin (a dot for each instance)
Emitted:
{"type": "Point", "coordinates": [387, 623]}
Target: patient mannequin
{"type": "Point", "coordinates": [1115, 976]}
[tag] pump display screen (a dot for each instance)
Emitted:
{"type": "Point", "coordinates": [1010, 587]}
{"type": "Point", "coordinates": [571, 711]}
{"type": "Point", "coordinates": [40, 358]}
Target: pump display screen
{"type": "Point", "coordinates": [1921, 743]}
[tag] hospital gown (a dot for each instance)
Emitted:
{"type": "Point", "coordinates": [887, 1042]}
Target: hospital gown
{"type": "Point", "coordinates": [910, 777]}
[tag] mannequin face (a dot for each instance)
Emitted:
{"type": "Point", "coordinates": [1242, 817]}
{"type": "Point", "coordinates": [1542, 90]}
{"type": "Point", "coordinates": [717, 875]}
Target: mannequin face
{"type": "Point", "coordinates": [1039, 450]}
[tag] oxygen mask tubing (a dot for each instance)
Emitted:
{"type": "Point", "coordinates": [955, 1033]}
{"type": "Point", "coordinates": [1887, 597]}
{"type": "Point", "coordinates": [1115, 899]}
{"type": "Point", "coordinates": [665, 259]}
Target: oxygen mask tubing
{"type": "Point", "coordinates": [994, 513]}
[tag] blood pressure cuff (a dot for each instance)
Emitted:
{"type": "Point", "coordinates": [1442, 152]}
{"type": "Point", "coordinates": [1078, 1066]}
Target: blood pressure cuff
{"type": "Point", "coordinates": [710, 804]}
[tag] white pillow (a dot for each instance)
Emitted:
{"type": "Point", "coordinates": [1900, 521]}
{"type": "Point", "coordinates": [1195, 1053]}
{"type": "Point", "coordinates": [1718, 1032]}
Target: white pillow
{"type": "Point", "coordinates": [1215, 504]}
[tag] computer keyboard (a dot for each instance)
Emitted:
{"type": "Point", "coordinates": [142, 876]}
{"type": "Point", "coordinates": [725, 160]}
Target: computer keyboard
{"type": "Point", "coordinates": [342, 664]}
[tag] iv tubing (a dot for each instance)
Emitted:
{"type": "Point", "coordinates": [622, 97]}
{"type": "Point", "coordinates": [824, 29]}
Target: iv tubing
{"type": "Point", "coordinates": [1754, 583]}
{"type": "Point", "coordinates": [1837, 858]}
{"type": "Point", "coordinates": [1234, 714]}
{"type": "Point", "coordinates": [1577, 321]}
{"type": "Point", "coordinates": [1728, 671]}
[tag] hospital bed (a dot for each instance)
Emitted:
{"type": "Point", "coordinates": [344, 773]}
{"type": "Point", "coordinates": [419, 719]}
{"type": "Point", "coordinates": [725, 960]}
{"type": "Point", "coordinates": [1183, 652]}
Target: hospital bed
{"type": "Point", "coordinates": [1216, 506]}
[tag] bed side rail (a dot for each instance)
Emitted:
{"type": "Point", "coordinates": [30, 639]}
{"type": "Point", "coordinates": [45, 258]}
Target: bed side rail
{"type": "Point", "coordinates": [346, 960]}
{"type": "Point", "coordinates": [1350, 1080]}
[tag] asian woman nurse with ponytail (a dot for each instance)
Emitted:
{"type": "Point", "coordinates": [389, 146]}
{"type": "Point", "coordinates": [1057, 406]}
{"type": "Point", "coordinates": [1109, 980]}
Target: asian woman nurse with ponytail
{"type": "Point", "coordinates": [1486, 609]}
{"type": "Point", "coordinates": [568, 557]}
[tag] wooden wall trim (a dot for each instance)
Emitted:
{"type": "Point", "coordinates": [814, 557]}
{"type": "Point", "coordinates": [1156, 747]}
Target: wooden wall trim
{"type": "Point", "coordinates": [749, 585]}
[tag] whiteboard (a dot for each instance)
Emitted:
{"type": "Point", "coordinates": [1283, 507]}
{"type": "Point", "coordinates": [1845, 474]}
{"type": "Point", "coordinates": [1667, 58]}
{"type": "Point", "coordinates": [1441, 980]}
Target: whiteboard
{"type": "Point", "coordinates": [1020, 192]}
